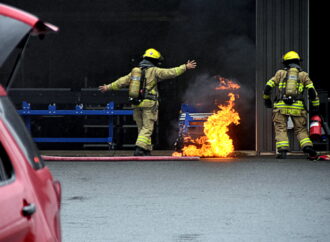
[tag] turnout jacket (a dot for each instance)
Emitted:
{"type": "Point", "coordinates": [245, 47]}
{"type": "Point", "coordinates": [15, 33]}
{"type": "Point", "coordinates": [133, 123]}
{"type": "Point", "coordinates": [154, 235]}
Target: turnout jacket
{"type": "Point", "coordinates": [296, 108]}
{"type": "Point", "coordinates": [153, 75]}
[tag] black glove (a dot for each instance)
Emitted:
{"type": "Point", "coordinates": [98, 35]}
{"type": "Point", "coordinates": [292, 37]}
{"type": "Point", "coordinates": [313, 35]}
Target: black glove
{"type": "Point", "coordinates": [268, 103]}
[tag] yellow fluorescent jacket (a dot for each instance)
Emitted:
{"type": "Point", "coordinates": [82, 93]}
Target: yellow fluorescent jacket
{"type": "Point", "coordinates": [153, 75]}
{"type": "Point", "coordinates": [279, 81]}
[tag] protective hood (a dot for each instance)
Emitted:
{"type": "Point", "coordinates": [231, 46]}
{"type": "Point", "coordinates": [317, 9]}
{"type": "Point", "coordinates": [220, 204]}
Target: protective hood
{"type": "Point", "coordinates": [293, 65]}
{"type": "Point", "coordinates": [146, 64]}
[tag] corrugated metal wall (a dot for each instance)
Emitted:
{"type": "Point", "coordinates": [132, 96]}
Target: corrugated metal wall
{"type": "Point", "coordinates": [281, 26]}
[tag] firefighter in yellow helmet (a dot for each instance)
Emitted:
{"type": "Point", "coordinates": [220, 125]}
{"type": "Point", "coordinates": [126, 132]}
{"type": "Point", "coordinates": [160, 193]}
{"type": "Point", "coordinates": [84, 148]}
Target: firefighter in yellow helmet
{"type": "Point", "coordinates": [143, 94]}
{"type": "Point", "coordinates": [291, 82]}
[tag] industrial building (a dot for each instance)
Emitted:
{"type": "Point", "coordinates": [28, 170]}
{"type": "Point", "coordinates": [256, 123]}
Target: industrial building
{"type": "Point", "coordinates": [100, 41]}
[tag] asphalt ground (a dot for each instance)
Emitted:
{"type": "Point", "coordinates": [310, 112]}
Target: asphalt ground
{"type": "Point", "coordinates": [242, 199]}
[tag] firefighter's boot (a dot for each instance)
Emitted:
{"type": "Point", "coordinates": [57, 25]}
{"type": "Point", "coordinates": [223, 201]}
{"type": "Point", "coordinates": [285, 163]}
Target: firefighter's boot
{"type": "Point", "coordinates": [312, 155]}
{"type": "Point", "coordinates": [281, 154]}
{"type": "Point", "coordinates": [139, 151]}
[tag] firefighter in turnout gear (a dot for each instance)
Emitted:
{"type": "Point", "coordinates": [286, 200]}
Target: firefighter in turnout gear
{"type": "Point", "coordinates": [291, 82]}
{"type": "Point", "coordinates": [143, 94]}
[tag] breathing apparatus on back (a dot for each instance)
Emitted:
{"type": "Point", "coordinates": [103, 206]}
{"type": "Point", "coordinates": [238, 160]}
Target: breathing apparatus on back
{"type": "Point", "coordinates": [137, 87]}
{"type": "Point", "coordinates": [290, 89]}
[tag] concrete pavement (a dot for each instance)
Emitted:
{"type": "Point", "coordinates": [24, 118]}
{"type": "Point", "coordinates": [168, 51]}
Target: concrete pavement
{"type": "Point", "coordinates": [245, 199]}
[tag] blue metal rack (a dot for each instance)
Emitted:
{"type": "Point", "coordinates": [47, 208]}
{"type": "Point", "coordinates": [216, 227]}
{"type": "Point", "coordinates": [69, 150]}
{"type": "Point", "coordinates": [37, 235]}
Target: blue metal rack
{"type": "Point", "coordinates": [189, 116]}
{"type": "Point", "coordinates": [109, 111]}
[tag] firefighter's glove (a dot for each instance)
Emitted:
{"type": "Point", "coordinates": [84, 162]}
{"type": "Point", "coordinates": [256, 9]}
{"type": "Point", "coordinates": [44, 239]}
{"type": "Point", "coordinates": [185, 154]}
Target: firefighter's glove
{"type": "Point", "coordinates": [268, 103]}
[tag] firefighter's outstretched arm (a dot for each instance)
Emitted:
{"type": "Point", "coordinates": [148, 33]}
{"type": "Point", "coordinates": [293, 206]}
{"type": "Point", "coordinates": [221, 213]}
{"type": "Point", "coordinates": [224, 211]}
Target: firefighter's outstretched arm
{"type": "Point", "coordinates": [164, 73]}
{"type": "Point", "coordinates": [116, 85]}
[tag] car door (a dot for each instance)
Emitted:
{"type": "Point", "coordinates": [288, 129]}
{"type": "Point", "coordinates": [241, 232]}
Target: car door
{"type": "Point", "coordinates": [46, 192]}
{"type": "Point", "coordinates": [15, 209]}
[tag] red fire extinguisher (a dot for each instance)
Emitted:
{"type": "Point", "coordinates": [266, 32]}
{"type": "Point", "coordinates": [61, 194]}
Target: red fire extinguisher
{"type": "Point", "coordinates": [315, 128]}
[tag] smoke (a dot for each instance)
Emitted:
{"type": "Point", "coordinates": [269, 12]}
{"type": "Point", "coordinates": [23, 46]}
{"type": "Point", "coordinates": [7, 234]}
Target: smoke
{"type": "Point", "coordinates": [205, 94]}
{"type": "Point", "coordinates": [200, 90]}
{"type": "Point", "coordinates": [220, 36]}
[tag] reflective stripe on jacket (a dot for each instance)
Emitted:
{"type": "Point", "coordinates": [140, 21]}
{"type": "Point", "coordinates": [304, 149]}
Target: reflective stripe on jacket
{"type": "Point", "coordinates": [279, 81]}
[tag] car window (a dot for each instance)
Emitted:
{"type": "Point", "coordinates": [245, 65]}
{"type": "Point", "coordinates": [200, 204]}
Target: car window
{"type": "Point", "coordinates": [6, 168]}
{"type": "Point", "coordinates": [21, 135]}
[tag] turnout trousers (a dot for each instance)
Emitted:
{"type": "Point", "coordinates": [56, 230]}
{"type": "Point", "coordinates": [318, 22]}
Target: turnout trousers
{"type": "Point", "coordinates": [280, 124]}
{"type": "Point", "coordinates": [145, 119]}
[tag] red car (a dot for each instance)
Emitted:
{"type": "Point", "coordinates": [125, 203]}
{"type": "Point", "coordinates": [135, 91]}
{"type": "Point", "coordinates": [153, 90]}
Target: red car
{"type": "Point", "coordinates": [29, 196]}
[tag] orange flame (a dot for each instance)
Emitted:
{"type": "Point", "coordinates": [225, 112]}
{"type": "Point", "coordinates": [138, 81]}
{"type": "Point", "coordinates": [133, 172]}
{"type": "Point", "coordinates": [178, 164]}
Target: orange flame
{"type": "Point", "coordinates": [227, 84]}
{"type": "Point", "coordinates": [216, 142]}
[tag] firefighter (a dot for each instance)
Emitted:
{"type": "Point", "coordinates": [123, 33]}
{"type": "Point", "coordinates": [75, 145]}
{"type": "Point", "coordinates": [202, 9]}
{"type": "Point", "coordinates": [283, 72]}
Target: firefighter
{"type": "Point", "coordinates": [291, 82]}
{"type": "Point", "coordinates": [143, 94]}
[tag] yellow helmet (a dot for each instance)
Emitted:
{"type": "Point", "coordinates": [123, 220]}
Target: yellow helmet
{"type": "Point", "coordinates": [152, 53]}
{"type": "Point", "coordinates": [291, 55]}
